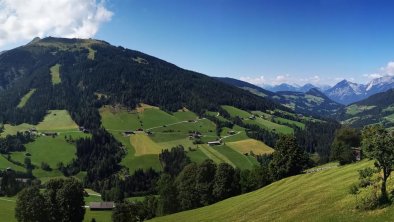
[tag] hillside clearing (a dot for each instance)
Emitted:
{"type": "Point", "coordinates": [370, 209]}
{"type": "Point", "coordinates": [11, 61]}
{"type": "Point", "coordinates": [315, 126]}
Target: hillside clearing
{"type": "Point", "coordinates": [55, 74]}
{"type": "Point", "coordinates": [26, 98]}
{"type": "Point", "coordinates": [250, 145]}
{"type": "Point", "coordinates": [57, 120]}
{"type": "Point", "coordinates": [144, 145]}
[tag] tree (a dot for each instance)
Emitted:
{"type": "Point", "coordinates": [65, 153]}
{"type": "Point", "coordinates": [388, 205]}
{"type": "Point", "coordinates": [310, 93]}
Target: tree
{"type": "Point", "coordinates": [65, 198]}
{"type": "Point", "coordinates": [341, 149]}
{"type": "Point", "coordinates": [206, 171]}
{"type": "Point", "coordinates": [188, 196]}
{"type": "Point", "coordinates": [223, 182]}
{"type": "Point", "coordinates": [288, 159]}
{"type": "Point", "coordinates": [129, 212]}
{"type": "Point", "coordinates": [167, 202]}
{"type": "Point", "coordinates": [31, 206]}
{"type": "Point", "coordinates": [378, 144]}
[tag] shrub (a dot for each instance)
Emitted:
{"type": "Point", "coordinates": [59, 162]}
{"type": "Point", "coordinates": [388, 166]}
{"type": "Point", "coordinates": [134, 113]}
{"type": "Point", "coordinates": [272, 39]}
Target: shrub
{"type": "Point", "coordinates": [368, 199]}
{"type": "Point", "coordinates": [353, 189]}
{"type": "Point", "coordinates": [45, 166]}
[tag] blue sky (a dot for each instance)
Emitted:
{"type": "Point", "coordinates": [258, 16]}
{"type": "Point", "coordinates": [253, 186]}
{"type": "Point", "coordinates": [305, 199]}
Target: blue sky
{"type": "Point", "coordinates": [266, 41]}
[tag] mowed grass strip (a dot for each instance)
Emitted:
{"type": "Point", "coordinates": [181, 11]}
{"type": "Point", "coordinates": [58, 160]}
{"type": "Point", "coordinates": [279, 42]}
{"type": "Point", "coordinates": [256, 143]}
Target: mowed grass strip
{"type": "Point", "coordinates": [57, 120]}
{"type": "Point", "coordinates": [238, 159]}
{"type": "Point", "coordinates": [144, 145]}
{"type": "Point", "coordinates": [26, 98]}
{"type": "Point", "coordinates": [321, 196]}
{"type": "Point", "coordinates": [250, 145]}
{"type": "Point", "coordinates": [270, 125]}
{"type": "Point", "coordinates": [233, 111]}
{"type": "Point", "coordinates": [55, 74]}
{"type": "Point", "coordinates": [216, 156]}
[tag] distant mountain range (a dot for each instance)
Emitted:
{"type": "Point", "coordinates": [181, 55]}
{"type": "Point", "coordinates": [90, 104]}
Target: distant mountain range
{"type": "Point", "coordinates": [344, 92]}
{"type": "Point", "coordinates": [311, 102]}
{"type": "Point", "coordinates": [294, 88]}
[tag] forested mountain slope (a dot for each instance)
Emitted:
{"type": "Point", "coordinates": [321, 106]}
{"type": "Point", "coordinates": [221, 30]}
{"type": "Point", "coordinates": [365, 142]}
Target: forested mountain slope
{"type": "Point", "coordinates": [81, 75]}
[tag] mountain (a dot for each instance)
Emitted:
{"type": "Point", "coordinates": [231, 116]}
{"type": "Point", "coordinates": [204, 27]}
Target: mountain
{"type": "Point", "coordinates": [346, 92]}
{"type": "Point", "coordinates": [313, 102]}
{"type": "Point", "coordinates": [284, 87]}
{"type": "Point", "coordinates": [378, 108]}
{"type": "Point", "coordinates": [291, 88]}
{"type": "Point", "coordinates": [70, 73]}
{"type": "Point", "coordinates": [246, 86]}
{"type": "Point", "coordinates": [379, 85]}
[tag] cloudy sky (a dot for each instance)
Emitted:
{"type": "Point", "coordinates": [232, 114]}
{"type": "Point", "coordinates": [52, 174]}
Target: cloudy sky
{"type": "Point", "coordinates": [259, 41]}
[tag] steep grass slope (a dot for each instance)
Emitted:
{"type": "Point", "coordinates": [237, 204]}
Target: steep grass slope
{"type": "Point", "coordinates": [320, 196]}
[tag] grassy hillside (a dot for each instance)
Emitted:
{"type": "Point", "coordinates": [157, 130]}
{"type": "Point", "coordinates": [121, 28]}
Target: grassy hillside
{"type": "Point", "coordinates": [48, 149]}
{"type": "Point", "coordinates": [170, 130]}
{"type": "Point", "coordinates": [26, 98]}
{"type": "Point", "coordinates": [320, 196]}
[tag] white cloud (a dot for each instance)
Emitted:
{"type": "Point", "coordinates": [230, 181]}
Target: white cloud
{"type": "Point", "coordinates": [283, 78]}
{"type": "Point", "coordinates": [388, 69]}
{"type": "Point", "coordinates": [26, 19]}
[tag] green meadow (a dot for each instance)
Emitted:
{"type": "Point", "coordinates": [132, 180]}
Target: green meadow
{"type": "Point", "coordinates": [55, 74]}
{"type": "Point", "coordinates": [172, 129]}
{"type": "Point", "coordinates": [320, 196]}
{"type": "Point", "coordinates": [26, 98]}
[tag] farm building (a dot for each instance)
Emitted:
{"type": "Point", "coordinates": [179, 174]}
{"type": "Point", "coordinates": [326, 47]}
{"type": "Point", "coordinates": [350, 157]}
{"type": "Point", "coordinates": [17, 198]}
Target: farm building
{"type": "Point", "coordinates": [101, 205]}
{"type": "Point", "coordinates": [128, 133]}
{"type": "Point", "coordinates": [49, 133]}
{"type": "Point", "coordinates": [83, 129]}
{"type": "Point", "coordinates": [252, 117]}
{"type": "Point", "coordinates": [357, 153]}
{"type": "Point", "coordinates": [215, 143]}
{"type": "Point", "coordinates": [231, 132]}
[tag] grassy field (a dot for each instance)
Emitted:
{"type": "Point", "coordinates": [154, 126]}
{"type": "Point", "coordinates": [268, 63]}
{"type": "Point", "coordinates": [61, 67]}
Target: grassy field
{"type": "Point", "coordinates": [12, 130]}
{"type": "Point", "coordinates": [355, 109]}
{"type": "Point", "coordinates": [288, 121]}
{"type": "Point", "coordinates": [144, 145]}
{"type": "Point", "coordinates": [26, 98]}
{"type": "Point", "coordinates": [236, 112]}
{"type": "Point", "coordinates": [248, 145]}
{"type": "Point", "coordinates": [57, 120]}
{"type": "Point", "coordinates": [170, 130]}
{"type": "Point", "coordinates": [50, 150]}
{"type": "Point", "coordinates": [270, 125]}
{"type": "Point", "coordinates": [321, 196]}
{"type": "Point", "coordinates": [55, 74]}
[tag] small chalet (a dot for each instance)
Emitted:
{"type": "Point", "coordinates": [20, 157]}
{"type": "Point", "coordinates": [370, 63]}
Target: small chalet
{"type": "Point", "coordinates": [231, 132]}
{"type": "Point", "coordinates": [49, 133]}
{"type": "Point", "coordinates": [357, 153]}
{"type": "Point", "coordinates": [101, 205]}
{"type": "Point", "coordinates": [215, 143]}
{"type": "Point", "coordinates": [252, 117]}
{"type": "Point", "coordinates": [83, 129]}
{"type": "Point", "coordinates": [128, 133]}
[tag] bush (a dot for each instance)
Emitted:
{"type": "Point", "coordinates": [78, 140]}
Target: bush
{"type": "Point", "coordinates": [353, 189]}
{"type": "Point", "coordinates": [368, 199]}
{"type": "Point", "coordinates": [365, 176]}
{"type": "Point", "coordinates": [45, 166]}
